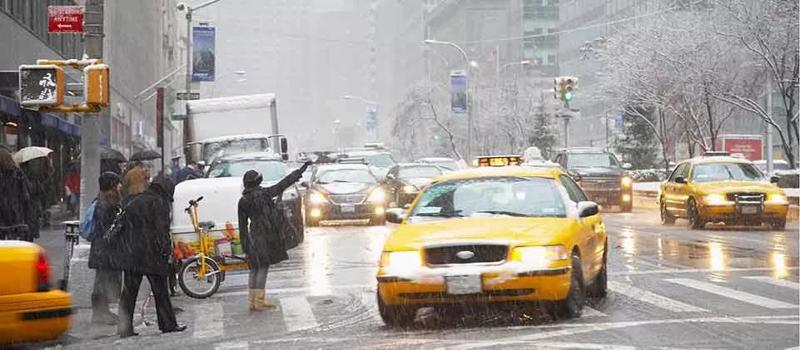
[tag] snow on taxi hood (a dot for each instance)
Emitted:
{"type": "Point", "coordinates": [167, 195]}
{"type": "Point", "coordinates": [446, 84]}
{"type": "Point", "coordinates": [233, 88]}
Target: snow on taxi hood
{"type": "Point", "coordinates": [345, 187]}
{"type": "Point", "coordinates": [220, 201]}
{"type": "Point", "coordinates": [500, 230]}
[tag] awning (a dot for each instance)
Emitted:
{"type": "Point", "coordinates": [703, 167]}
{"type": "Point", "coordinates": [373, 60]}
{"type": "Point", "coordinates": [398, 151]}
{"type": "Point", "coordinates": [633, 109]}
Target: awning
{"type": "Point", "coordinates": [9, 106]}
{"type": "Point", "coordinates": [57, 123]}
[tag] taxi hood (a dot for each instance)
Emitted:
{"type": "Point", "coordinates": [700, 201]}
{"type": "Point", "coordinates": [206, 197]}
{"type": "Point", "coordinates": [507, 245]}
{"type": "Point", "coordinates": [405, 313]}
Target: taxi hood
{"type": "Point", "coordinates": [496, 230]}
{"type": "Point", "coordinates": [723, 187]}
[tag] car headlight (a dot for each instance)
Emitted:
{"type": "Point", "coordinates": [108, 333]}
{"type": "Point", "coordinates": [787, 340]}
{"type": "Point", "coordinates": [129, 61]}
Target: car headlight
{"type": "Point", "coordinates": [715, 199]}
{"type": "Point", "coordinates": [317, 198]}
{"type": "Point", "coordinates": [626, 181]}
{"type": "Point", "coordinates": [539, 256]}
{"type": "Point", "coordinates": [409, 189]}
{"type": "Point", "coordinates": [401, 260]}
{"type": "Point", "coordinates": [378, 195]}
{"type": "Point", "coordinates": [777, 198]}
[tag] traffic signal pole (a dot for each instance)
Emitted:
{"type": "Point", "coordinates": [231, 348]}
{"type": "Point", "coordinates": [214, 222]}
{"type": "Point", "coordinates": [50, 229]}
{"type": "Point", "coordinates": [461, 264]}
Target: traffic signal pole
{"type": "Point", "coordinates": [90, 123]}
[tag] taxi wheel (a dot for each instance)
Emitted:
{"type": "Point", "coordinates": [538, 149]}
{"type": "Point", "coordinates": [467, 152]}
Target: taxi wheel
{"type": "Point", "coordinates": [779, 224]}
{"type": "Point", "coordinates": [396, 315]}
{"type": "Point", "coordinates": [572, 306]}
{"type": "Point", "coordinates": [666, 218]}
{"type": "Point", "coordinates": [695, 221]}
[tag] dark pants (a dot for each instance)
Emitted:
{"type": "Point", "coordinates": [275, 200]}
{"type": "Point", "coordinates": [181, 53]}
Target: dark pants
{"type": "Point", "coordinates": [106, 289]}
{"type": "Point", "coordinates": [127, 302]}
{"type": "Point", "coordinates": [258, 277]}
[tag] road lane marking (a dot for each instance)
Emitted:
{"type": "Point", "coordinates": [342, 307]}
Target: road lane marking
{"type": "Point", "coordinates": [775, 281]}
{"type": "Point", "coordinates": [208, 321]}
{"type": "Point", "coordinates": [563, 345]}
{"type": "Point", "coordinates": [232, 345]}
{"type": "Point", "coordinates": [652, 298]}
{"type": "Point", "coordinates": [732, 293]}
{"type": "Point", "coordinates": [270, 291]}
{"type": "Point", "coordinates": [297, 314]}
{"type": "Point", "coordinates": [589, 312]}
{"type": "Point", "coordinates": [678, 271]}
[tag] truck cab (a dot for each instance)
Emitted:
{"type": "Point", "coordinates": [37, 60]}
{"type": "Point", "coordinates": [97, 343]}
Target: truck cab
{"type": "Point", "coordinates": [600, 174]}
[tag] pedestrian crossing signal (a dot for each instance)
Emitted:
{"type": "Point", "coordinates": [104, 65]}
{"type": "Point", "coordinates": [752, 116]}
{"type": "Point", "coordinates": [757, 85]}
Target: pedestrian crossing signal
{"type": "Point", "coordinates": [41, 85]}
{"type": "Point", "coordinates": [96, 85]}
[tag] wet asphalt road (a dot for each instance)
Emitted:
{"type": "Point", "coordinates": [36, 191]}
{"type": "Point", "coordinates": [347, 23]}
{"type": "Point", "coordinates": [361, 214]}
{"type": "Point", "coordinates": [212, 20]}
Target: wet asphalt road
{"type": "Point", "coordinates": [670, 287]}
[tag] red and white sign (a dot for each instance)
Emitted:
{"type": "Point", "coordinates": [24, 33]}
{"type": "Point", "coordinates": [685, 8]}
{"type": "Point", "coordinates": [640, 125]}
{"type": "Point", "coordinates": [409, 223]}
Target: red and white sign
{"type": "Point", "coordinates": [65, 19]}
{"type": "Point", "coordinates": [750, 146]}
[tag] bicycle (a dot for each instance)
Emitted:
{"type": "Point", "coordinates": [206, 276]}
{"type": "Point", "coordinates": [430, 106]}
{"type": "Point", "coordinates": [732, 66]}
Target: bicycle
{"type": "Point", "coordinates": [201, 275]}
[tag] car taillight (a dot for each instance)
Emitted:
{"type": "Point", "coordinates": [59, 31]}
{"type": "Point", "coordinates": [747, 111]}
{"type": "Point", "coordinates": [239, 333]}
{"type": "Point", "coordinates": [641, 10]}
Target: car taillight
{"type": "Point", "coordinates": [42, 273]}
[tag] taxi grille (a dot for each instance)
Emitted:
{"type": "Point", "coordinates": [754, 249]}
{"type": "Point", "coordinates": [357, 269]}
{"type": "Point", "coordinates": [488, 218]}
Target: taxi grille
{"type": "Point", "coordinates": [348, 198]}
{"type": "Point", "coordinates": [484, 253]}
{"type": "Point", "coordinates": [746, 196]}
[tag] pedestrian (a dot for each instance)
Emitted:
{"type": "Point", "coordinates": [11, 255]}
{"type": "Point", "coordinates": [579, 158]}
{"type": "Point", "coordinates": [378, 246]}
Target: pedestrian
{"type": "Point", "coordinates": [17, 212]}
{"type": "Point", "coordinates": [111, 165]}
{"type": "Point", "coordinates": [190, 171]}
{"type": "Point", "coordinates": [261, 239]}
{"type": "Point", "coordinates": [72, 184]}
{"type": "Point", "coordinates": [143, 248]}
{"type": "Point", "coordinates": [106, 280]}
{"type": "Point", "coordinates": [136, 180]}
{"type": "Point", "coordinates": [39, 172]}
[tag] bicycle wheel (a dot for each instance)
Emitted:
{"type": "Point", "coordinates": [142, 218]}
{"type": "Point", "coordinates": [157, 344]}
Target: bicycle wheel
{"type": "Point", "coordinates": [197, 287]}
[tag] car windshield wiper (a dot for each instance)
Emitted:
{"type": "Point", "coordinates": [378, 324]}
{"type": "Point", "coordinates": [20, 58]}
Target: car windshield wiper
{"type": "Point", "coordinates": [501, 212]}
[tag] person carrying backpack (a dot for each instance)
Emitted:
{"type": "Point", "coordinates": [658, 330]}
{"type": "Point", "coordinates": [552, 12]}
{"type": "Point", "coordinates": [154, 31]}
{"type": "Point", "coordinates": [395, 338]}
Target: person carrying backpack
{"type": "Point", "coordinates": [107, 281]}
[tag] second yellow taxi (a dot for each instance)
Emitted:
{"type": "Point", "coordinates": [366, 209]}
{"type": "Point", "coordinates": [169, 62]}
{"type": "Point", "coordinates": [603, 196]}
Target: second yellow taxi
{"type": "Point", "coordinates": [492, 235]}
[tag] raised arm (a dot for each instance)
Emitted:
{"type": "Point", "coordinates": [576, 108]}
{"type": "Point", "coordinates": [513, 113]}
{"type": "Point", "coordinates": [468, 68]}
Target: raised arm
{"type": "Point", "coordinates": [278, 188]}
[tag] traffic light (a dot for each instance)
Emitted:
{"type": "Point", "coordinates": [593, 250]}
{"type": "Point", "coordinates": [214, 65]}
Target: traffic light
{"type": "Point", "coordinates": [41, 85]}
{"type": "Point", "coordinates": [571, 84]}
{"type": "Point", "coordinates": [96, 85]}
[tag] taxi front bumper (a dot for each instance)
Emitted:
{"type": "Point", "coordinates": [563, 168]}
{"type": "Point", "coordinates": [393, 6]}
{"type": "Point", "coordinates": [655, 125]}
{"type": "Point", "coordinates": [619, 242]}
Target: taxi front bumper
{"type": "Point", "coordinates": [36, 316]}
{"type": "Point", "coordinates": [727, 212]}
{"type": "Point", "coordinates": [498, 284]}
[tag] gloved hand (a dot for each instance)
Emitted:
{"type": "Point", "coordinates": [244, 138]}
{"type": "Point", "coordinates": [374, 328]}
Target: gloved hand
{"type": "Point", "coordinates": [305, 166]}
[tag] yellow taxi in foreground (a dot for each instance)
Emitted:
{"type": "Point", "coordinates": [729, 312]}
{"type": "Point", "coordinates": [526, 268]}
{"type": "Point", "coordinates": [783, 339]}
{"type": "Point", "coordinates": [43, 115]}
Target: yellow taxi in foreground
{"type": "Point", "coordinates": [513, 234]}
{"type": "Point", "coordinates": [721, 189]}
{"type": "Point", "coordinates": [29, 310]}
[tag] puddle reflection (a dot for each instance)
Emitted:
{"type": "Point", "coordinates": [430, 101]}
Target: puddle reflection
{"type": "Point", "coordinates": [317, 264]}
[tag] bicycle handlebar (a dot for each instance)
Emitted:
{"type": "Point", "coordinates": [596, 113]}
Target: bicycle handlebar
{"type": "Point", "coordinates": [193, 203]}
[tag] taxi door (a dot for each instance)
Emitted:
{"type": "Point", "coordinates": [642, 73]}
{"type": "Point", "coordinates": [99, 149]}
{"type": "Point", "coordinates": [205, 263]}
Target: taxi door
{"type": "Point", "coordinates": [592, 235]}
{"type": "Point", "coordinates": [675, 193]}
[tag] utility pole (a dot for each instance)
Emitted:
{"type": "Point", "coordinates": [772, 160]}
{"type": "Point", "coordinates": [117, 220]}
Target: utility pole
{"type": "Point", "coordinates": [90, 123]}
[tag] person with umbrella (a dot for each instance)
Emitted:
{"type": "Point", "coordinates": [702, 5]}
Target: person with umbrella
{"type": "Point", "coordinates": [16, 209]}
{"type": "Point", "coordinates": [34, 161]}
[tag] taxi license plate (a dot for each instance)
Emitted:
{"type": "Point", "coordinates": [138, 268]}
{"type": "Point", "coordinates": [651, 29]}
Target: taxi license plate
{"type": "Point", "coordinates": [460, 285]}
{"type": "Point", "coordinates": [749, 209]}
{"type": "Point", "coordinates": [348, 208]}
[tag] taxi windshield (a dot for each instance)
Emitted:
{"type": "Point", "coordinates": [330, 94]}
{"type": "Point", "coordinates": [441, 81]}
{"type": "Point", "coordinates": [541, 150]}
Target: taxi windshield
{"type": "Point", "coordinates": [726, 172]}
{"type": "Point", "coordinates": [346, 175]}
{"type": "Point", "coordinates": [492, 196]}
{"type": "Point", "coordinates": [419, 172]}
{"type": "Point", "coordinates": [270, 170]}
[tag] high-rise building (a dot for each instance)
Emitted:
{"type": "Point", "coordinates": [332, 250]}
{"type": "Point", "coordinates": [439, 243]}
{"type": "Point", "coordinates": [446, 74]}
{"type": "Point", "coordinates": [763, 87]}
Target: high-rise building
{"type": "Point", "coordinates": [540, 19]}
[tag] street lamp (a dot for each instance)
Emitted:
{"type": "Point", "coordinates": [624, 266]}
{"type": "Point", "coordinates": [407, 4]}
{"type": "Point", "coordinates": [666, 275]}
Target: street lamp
{"type": "Point", "coordinates": [520, 63]}
{"type": "Point", "coordinates": [467, 64]}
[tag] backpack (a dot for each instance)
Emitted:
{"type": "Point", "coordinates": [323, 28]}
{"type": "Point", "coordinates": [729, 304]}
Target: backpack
{"type": "Point", "coordinates": [87, 225]}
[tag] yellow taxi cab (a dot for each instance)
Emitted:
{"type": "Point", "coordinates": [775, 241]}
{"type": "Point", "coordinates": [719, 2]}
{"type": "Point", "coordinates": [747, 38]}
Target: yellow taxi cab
{"type": "Point", "coordinates": [720, 188]}
{"type": "Point", "coordinates": [494, 235]}
{"type": "Point", "coordinates": [29, 310]}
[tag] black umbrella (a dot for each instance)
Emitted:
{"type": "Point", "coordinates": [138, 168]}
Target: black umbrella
{"type": "Point", "coordinates": [110, 154]}
{"type": "Point", "coordinates": [145, 155]}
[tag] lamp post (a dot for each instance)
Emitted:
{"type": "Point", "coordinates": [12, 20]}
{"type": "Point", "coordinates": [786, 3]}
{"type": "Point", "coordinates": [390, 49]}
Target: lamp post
{"type": "Point", "coordinates": [469, 96]}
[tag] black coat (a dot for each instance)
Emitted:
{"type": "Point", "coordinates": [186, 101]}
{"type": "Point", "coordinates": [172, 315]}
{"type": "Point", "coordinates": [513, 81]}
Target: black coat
{"type": "Point", "coordinates": [104, 213]}
{"type": "Point", "coordinates": [16, 205]}
{"type": "Point", "coordinates": [144, 244]}
{"type": "Point", "coordinates": [261, 240]}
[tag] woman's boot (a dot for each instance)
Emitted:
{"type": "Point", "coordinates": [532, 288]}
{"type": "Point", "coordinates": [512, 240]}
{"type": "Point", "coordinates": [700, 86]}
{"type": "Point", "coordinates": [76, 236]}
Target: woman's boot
{"type": "Point", "coordinates": [259, 303]}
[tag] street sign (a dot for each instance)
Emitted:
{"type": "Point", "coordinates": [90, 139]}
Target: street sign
{"type": "Point", "coordinates": [65, 19]}
{"type": "Point", "coordinates": [618, 121]}
{"type": "Point", "coordinates": [458, 91]}
{"type": "Point", "coordinates": [372, 117]}
{"type": "Point", "coordinates": [183, 96]}
{"type": "Point", "coordinates": [178, 117]}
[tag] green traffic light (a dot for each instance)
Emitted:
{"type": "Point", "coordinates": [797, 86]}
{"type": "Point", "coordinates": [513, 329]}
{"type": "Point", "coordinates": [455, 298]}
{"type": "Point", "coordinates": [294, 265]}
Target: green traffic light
{"type": "Point", "coordinates": [568, 96]}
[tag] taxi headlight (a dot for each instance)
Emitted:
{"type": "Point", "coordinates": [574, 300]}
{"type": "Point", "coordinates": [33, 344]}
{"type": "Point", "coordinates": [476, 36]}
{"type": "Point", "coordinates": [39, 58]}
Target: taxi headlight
{"type": "Point", "coordinates": [317, 198]}
{"type": "Point", "coordinates": [715, 199]}
{"type": "Point", "coordinates": [539, 257]}
{"type": "Point", "coordinates": [626, 181]}
{"type": "Point", "coordinates": [401, 260]}
{"type": "Point", "coordinates": [378, 195]}
{"type": "Point", "coordinates": [776, 198]}
{"type": "Point", "coordinates": [409, 189]}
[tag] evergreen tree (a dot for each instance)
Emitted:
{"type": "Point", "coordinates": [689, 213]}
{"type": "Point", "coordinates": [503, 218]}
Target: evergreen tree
{"type": "Point", "coordinates": [543, 136]}
{"type": "Point", "coordinates": [639, 145]}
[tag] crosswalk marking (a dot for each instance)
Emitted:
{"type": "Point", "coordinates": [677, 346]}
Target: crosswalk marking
{"type": "Point", "coordinates": [732, 293]}
{"type": "Point", "coordinates": [232, 345]}
{"type": "Point", "coordinates": [775, 281]}
{"type": "Point", "coordinates": [589, 312]}
{"type": "Point", "coordinates": [652, 298]}
{"type": "Point", "coordinates": [208, 321]}
{"type": "Point", "coordinates": [297, 314]}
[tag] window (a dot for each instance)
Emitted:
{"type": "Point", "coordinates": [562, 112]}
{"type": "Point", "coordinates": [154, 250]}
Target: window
{"type": "Point", "coordinates": [681, 171]}
{"type": "Point", "coordinates": [725, 172]}
{"type": "Point", "coordinates": [575, 193]}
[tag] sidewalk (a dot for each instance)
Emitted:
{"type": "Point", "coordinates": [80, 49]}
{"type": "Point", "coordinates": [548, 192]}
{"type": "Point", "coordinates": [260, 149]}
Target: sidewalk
{"type": "Point", "coordinates": [645, 194]}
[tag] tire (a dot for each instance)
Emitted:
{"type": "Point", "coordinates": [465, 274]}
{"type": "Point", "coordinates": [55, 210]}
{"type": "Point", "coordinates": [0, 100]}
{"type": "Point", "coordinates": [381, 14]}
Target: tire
{"type": "Point", "coordinates": [191, 286]}
{"type": "Point", "coordinates": [695, 221]}
{"type": "Point", "coordinates": [778, 225]}
{"type": "Point", "coordinates": [626, 208]}
{"type": "Point", "coordinates": [572, 305]}
{"type": "Point", "coordinates": [396, 315]}
{"type": "Point", "coordinates": [378, 221]}
{"type": "Point", "coordinates": [599, 287]}
{"type": "Point", "coordinates": [666, 218]}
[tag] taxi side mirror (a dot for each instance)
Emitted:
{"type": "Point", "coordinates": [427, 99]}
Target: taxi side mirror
{"type": "Point", "coordinates": [395, 215]}
{"type": "Point", "coordinates": [587, 209]}
{"type": "Point", "coordinates": [774, 179]}
{"type": "Point", "coordinates": [680, 180]}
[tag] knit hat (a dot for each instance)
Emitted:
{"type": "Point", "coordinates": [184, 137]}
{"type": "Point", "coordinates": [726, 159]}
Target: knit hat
{"type": "Point", "coordinates": [252, 178]}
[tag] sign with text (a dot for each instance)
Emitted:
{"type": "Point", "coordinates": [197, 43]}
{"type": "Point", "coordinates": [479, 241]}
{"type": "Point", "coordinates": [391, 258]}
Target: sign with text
{"type": "Point", "coordinates": [65, 19]}
{"type": "Point", "coordinates": [458, 91]}
{"type": "Point", "coordinates": [203, 53]}
{"type": "Point", "coordinates": [183, 96]}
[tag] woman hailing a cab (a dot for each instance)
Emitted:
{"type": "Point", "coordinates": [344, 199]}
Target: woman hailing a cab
{"type": "Point", "coordinates": [261, 239]}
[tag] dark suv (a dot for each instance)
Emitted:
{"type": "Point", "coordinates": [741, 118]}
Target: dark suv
{"type": "Point", "coordinates": [600, 174]}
